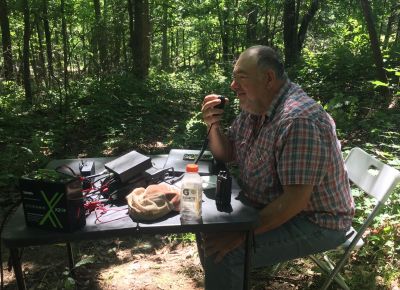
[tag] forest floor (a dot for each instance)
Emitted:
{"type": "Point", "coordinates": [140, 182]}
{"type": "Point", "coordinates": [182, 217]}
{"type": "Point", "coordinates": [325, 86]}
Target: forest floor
{"type": "Point", "coordinates": [149, 262]}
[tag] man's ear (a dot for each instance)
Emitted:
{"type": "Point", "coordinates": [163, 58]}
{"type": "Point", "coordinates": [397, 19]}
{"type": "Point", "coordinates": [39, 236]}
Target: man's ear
{"type": "Point", "coordinates": [270, 77]}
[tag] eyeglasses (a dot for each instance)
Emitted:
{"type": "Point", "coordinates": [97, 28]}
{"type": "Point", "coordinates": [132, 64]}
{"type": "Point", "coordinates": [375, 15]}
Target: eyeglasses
{"type": "Point", "coordinates": [239, 78]}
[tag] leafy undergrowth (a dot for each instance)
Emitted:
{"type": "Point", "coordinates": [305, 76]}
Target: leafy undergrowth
{"type": "Point", "coordinates": [117, 115]}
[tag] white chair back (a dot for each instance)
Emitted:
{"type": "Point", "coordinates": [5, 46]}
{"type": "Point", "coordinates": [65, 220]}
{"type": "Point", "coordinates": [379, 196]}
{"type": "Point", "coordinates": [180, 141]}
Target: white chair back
{"type": "Point", "coordinates": [371, 175]}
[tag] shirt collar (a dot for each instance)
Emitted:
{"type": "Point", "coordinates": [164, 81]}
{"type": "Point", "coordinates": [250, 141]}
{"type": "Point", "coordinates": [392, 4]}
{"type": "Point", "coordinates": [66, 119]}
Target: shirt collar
{"type": "Point", "coordinates": [278, 99]}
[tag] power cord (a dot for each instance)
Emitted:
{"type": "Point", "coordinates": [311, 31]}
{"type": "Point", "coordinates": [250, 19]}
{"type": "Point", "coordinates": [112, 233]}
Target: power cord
{"type": "Point", "coordinates": [203, 148]}
{"type": "Point", "coordinates": [205, 143]}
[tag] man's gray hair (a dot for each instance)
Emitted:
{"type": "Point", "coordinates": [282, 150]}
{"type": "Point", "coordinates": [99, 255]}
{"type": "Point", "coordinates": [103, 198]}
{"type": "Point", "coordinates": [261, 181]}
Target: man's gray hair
{"type": "Point", "coordinates": [268, 58]}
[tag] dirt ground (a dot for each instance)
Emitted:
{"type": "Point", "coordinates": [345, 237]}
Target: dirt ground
{"type": "Point", "coordinates": [146, 263]}
{"type": "Point", "coordinates": [151, 263]}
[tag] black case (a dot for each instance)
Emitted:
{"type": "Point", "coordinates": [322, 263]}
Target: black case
{"type": "Point", "coordinates": [52, 200]}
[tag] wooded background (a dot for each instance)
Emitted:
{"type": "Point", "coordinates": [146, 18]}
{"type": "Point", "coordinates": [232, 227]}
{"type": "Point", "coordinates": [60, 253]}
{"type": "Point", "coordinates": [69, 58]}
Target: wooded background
{"type": "Point", "coordinates": [47, 42]}
{"type": "Point", "coordinates": [95, 78]}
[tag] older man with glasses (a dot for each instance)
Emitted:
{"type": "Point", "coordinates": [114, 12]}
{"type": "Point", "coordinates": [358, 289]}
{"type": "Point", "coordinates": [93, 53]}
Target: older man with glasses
{"type": "Point", "coordinates": [290, 165]}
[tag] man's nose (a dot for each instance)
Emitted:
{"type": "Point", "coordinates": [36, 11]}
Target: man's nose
{"type": "Point", "coordinates": [234, 85]}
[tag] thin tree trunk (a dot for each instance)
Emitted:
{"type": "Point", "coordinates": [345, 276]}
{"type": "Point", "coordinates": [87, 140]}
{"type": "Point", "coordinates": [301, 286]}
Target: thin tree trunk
{"type": "Point", "coordinates": [65, 46]}
{"type": "Point", "coordinates": [374, 41]}
{"type": "Point", "coordinates": [96, 36]}
{"type": "Point", "coordinates": [183, 48]}
{"type": "Point", "coordinates": [42, 67]}
{"type": "Point", "coordinates": [266, 27]}
{"type": "Point", "coordinates": [390, 24]}
{"type": "Point", "coordinates": [164, 42]}
{"type": "Point", "coordinates": [234, 46]}
{"type": "Point", "coordinates": [124, 51]}
{"type": "Point", "coordinates": [103, 38]}
{"type": "Point", "coordinates": [290, 32]}
{"type": "Point", "coordinates": [25, 57]}
{"type": "Point", "coordinates": [397, 39]}
{"type": "Point", "coordinates": [305, 22]}
{"type": "Point", "coordinates": [6, 41]}
{"type": "Point", "coordinates": [34, 65]}
{"type": "Point", "coordinates": [49, 50]}
{"type": "Point", "coordinates": [141, 43]}
{"type": "Point", "coordinates": [131, 27]}
{"type": "Point", "coordinates": [251, 25]}
{"type": "Point", "coordinates": [177, 48]}
{"type": "Point", "coordinates": [118, 31]}
{"type": "Point", "coordinates": [223, 15]}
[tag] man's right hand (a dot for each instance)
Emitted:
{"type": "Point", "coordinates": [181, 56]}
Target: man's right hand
{"type": "Point", "coordinates": [212, 115]}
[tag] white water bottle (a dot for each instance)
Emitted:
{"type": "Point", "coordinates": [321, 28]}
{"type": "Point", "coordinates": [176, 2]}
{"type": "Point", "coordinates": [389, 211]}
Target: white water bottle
{"type": "Point", "coordinates": [191, 194]}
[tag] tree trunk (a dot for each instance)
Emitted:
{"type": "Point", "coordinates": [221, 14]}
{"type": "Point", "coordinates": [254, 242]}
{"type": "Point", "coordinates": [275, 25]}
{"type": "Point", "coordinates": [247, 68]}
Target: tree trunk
{"type": "Point", "coordinates": [251, 25]}
{"type": "Point", "coordinates": [266, 27]}
{"type": "Point", "coordinates": [131, 27]}
{"type": "Point", "coordinates": [25, 57]}
{"type": "Point", "coordinates": [118, 31]}
{"type": "Point", "coordinates": [49, 50]}
{"type": "Point", "coordinates": [164, 42]}
{"type": "Point", "coordinates": [34, 65]}
{"type": "Point", "coordinates": [290, 32]}
{"type": "Point", "coordinates": [103, 38]}
{"type": "Point", "coordinates": [6, 41]}
{"type": "Point", "coordinates": [183, 48]}
{"type": "Point", "coordinates": [304, 24]}
{"type": "Point", "coordinates": [293, 37]}
{"type": "Point", "coordinates": [397, 39]}
{"type": "Point", "coordinates": [176, 41]}
{"type": "Point", "coordinates": [390, 24]}
{"type": "Point", "coordinates": [65, 47]}
{"type": "Point", "coordinates": [125, 51]}
{"type": "Point", "coordinates": [374, 41]}
{"type": "Point", "coordinates": [223, 15]}
{"type": "Point", "coordinates": [141, 40]}
{"type": "Point", "coordinates": [234, 46]}
{"type": "Point", "coordinates": [95, 36]}
{"type": "Point", "coordinates": [42, 67]}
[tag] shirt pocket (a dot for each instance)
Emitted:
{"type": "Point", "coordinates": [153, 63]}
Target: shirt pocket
{"type": "Point", "coordinates": [259, 159]}
{"type": "Point", "coordinates": [258, 162]}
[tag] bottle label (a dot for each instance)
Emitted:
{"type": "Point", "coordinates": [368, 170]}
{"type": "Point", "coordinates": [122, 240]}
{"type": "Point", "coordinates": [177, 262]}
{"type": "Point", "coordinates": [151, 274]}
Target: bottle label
{"type": "Point", "coordinates": [191, 202]}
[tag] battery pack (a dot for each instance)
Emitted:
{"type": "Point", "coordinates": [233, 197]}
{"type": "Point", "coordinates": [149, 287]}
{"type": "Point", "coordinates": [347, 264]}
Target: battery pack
{"type": "Point", "coordinates": [52, 200]}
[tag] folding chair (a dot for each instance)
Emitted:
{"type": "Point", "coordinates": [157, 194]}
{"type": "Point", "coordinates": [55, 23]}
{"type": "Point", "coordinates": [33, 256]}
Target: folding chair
{"type": "Point", "coordinates": [376, 179]}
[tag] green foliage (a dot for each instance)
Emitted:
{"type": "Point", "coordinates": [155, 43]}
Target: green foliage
{"type": "Point", "coordinates": [12, 97]}
{"type": "Point", "coordinates": [186, 238]}
{"type": "Point", "coordinates": [69, 282]}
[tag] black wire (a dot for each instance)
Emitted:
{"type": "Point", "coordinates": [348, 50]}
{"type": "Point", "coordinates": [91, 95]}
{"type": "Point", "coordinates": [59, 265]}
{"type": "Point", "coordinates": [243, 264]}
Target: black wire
{"type": "Point", "coordinates": [203, 148]}
{"type": "Point", "coordinates": [65, 166]}
{"type": "Point", "coordinates": [6, 216]}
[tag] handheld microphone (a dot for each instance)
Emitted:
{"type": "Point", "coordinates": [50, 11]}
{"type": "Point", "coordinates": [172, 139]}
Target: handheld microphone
{"type": "Point", "coordinates": [222, 104]}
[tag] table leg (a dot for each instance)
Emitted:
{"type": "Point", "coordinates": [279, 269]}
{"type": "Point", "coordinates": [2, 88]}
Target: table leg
{"type": "Point", "coordinates": [71, 263]}
{"type": "Point", "coordinates": [16, 263]}
{"type": "Point", "coordinates": [247, 261]}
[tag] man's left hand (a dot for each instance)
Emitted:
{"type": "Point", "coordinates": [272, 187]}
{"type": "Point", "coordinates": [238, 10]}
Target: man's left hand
{"type": "Point", "coordinates": [222, 243]}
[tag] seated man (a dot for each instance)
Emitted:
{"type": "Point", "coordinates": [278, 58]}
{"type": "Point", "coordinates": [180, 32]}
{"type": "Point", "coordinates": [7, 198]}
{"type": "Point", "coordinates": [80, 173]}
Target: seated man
{"type": "Point", "coordinates": [291, 169]}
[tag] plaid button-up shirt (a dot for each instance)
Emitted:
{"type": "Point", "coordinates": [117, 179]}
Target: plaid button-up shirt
{"type": "Point", "coordinates": [295, 143]}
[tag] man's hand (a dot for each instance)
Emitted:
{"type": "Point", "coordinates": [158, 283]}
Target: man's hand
{"type": "Point", "coordinates": [212, 115]}
{"type": "Point", "coordinates": [222, 243]}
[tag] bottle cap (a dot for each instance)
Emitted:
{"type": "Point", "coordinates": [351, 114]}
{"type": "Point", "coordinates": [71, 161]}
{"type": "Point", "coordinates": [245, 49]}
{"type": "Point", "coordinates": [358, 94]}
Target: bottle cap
{"type": "Point", "coordinates": [192, 168]}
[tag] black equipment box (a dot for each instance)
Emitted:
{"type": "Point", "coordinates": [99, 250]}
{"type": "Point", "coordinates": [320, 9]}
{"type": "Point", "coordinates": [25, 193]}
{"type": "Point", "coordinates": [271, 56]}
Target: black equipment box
{"type": "Point", "coordinates": [52, 200]}
{"type": "Point", "coordinates": [129, 166]}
